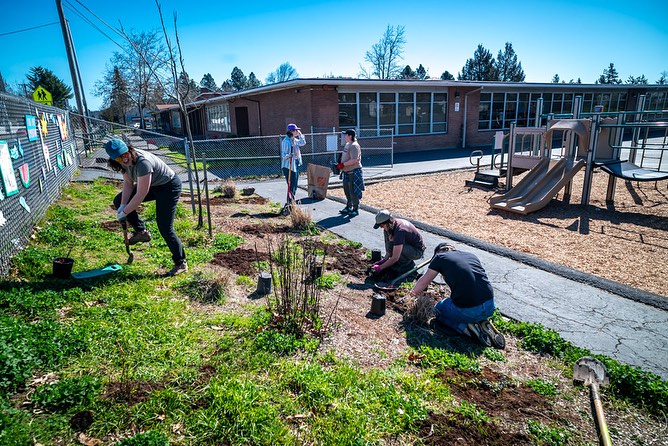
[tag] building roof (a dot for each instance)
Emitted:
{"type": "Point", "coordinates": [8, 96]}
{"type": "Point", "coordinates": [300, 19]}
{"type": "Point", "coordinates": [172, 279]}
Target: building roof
{"type": "Point", "coordinates": [356, 84]}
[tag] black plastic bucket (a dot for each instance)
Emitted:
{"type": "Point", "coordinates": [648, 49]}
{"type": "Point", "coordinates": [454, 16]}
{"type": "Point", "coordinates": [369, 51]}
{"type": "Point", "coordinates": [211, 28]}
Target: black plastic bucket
{"type": "Point", "coordinates": [263, 284]}
{"type": "Point", "coordinates": [375, 255]}
{"type": "Point", "coordinates": [62, 267]}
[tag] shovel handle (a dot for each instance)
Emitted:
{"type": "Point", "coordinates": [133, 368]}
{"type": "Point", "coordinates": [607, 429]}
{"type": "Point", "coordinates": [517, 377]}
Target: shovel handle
{"type": "Point", "coordinates": [406, 274]}
{"type": "Point", "coordinates": [603, 433]}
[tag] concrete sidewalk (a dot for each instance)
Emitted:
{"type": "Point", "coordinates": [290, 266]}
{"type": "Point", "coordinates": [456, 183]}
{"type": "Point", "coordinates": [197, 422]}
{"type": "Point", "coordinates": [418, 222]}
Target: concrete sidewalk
{"type": "Point", "coordinates": [597, 319]}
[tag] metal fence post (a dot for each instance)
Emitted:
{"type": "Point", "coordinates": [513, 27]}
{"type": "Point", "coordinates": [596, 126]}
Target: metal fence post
{"type": "Point", "coordinates": [190, 177]}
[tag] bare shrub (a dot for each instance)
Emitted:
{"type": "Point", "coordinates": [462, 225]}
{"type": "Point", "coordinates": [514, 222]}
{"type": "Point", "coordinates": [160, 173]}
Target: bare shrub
{"type": "Point", "coordinates": [205, 287]}
{"type": "Point", "coordinates": [420, 310]}
{"type": "Point", "coordinates": [300, 218]}
{"type": "Point", "coordinates": [228, 190]}
{"type": "Point", "coordinates": [295, 302]}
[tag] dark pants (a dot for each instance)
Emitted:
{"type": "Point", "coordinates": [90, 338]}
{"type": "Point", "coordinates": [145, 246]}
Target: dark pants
{"type": "Point", "coordinates": [406, 262]}
{"type": "Point", "coordinates": [352, 201]}
{"type": "Point", "coordinates": [292, 178]}
{"type": "Point", "coordinates": [166, 198]}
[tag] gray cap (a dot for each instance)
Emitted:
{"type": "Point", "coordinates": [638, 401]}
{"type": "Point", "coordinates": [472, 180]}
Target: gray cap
{"type": "Point", "coordinates": [382, 217]}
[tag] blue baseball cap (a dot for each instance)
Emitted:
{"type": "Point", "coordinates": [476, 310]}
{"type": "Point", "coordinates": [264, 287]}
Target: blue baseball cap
{"type": "Point", "coordinates": [115, 148]}
{"type": "Point", "coordinates": [293, 127]}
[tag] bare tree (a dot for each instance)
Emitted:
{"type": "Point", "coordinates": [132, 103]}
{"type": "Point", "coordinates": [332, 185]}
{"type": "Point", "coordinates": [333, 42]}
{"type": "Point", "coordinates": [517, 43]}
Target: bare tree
{"type": "Point", "coordinates": [141, 65]}
{"type": "Point", "coordinates": [385, 55]}
{"type": "Point", "coordinates": [181, 83]}
{"type": "Point", "coordinates": [283, 73]}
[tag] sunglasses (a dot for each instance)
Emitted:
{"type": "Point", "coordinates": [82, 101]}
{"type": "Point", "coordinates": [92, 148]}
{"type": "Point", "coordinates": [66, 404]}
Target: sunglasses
{"type": "Point", "coordinates": [122, 157]}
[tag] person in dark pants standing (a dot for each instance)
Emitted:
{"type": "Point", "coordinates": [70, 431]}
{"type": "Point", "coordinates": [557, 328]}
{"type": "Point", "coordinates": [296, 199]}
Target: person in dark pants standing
{"type": "Point", "coordinates": [471, 302]}
{"type": "Point", "coordinates": [291, 159]}
{"type": "Point", "coordinates": [351, 166]}
{"type": "Point", "coordinates": [147, 178]}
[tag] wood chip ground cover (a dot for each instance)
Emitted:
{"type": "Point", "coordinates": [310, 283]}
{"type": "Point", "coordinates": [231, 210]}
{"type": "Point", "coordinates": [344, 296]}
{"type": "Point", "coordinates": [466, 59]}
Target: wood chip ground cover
{"type": "Point", "coordinates": [500, 389]}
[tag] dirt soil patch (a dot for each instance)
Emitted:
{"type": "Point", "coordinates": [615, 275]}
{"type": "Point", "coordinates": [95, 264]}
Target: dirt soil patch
{"type": "Point", "coordinates": [377, 342]}
{"type": "Point", "coordinates": [625, 242]}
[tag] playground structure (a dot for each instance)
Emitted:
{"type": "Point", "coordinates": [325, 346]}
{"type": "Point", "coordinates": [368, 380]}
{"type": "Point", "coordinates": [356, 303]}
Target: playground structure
{"type": "Point", "coordinates": [626, 145]}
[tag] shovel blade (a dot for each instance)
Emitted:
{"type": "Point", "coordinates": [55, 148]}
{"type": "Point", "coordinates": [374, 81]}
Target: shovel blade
{"type": "Point", "coordinates": [588, 371]}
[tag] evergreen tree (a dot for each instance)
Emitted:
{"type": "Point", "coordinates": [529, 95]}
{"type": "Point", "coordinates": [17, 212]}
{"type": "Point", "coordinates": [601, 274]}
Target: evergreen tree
{"type": "Point", "coordinates": [3, 87]}
{"type": "Point", "coordinates": [188, 88]}
{"type": "Point", "coordinates": [640, 80]}
{"type": "Point", "coordinates": [407, 73]}
{"type": "Point", "coordinates": [420, 72]}
{"type": "Point", "coordinates": [238, 80]}
{"type": "Point", "coordinates": [609, 76]}
{"type": "Point", "coordinates": [555, 79]}
{"type": "Point", "coordinates": [60, 92]}
{"type": "Point", "coordinates": [507, 68]}
{"type": "Point", "coordinates": [663, 79]}
{"type": "Point", "coordinates": [119, 100]}
{"type": "Point", "coordinates": [480, 68]}
{"type": "Point", "coordinates": [253, 81]}
{"type": "Point", "coordinates": [447, 76]}
{"type": "Point", "coordinates": [208, 82]}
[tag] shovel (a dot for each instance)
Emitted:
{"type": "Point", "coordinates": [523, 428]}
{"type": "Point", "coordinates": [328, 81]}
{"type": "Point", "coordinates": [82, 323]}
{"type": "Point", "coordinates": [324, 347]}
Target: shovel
{"type": "Point", "coordinates": [131, 256]}
{"type": "Point", "coordinates": [591, 372]}
{"type": "Point", "coordinates": [392, 286]}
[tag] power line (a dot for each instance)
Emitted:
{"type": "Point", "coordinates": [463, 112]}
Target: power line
{"type": "Point", "coordinates": [87, 20]}
{"type": "Point", "coordinates": [28, 29]}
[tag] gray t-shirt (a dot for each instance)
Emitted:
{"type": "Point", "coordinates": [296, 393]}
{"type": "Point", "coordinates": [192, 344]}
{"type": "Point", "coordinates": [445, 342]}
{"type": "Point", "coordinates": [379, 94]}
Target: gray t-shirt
{"type": "Point", "coordinates": [149, 163]}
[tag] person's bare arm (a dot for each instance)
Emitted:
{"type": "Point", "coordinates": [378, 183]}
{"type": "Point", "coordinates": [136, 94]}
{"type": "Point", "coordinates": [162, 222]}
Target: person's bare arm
{"type": "Point", "coordinates": [143, 185]}
{"type": "Point", "coordinates": [423, 282]}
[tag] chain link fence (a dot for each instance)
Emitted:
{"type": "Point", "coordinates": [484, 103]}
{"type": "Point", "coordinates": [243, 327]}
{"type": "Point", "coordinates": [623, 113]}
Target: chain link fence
{"type": "Point", "coordinates": [260, 156]}
{"type": "Point", "coordinates": [38, 157]}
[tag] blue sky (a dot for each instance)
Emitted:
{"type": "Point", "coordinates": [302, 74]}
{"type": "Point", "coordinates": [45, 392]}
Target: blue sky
{"type": "Point", "coordinates": [574, 39]}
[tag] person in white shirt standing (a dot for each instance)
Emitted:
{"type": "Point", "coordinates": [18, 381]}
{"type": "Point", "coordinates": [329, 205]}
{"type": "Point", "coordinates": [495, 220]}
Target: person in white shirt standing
{"type": "Point", "coordinates": [291, 159]}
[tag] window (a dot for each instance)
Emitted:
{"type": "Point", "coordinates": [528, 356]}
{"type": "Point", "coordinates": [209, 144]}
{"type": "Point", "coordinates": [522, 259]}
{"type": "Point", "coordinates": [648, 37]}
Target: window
{"type": "Point", "coordinates": [176, 119]}
{"type": "Point", "coordinates": [347, 110]}
{"type": "Point", "coordinates": [404, 113]}
{"type": "Point", "coordinates": [218, 118]}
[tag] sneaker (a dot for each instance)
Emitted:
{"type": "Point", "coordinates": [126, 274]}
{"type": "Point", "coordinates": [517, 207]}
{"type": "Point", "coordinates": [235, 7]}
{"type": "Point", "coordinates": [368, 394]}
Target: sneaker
{"type": "Point", "coordinates": [354, 213]}
{"type": "Point", "coordinates": [178, 269]}
{"type": "Point", "coordinates": [345, 211]}
{"type": "Point", "coordinates": [139, 237]}
{"type": "Point", "coordinates": [483, 336]}
{"type": "Point", "coordinates": [498, 341]}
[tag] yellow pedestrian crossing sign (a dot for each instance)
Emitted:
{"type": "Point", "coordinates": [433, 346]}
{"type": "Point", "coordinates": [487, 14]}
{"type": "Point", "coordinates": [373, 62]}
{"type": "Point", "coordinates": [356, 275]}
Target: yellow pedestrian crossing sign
{"type": "Point", "coordinates": [42, 95]}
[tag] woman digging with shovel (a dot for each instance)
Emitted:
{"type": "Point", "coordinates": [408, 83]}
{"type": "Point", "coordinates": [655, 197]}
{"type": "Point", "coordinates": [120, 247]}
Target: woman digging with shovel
{"type": "Point", "coordinates": [471, 302]}
{"type": "Point", "coordinates": [155, 181]}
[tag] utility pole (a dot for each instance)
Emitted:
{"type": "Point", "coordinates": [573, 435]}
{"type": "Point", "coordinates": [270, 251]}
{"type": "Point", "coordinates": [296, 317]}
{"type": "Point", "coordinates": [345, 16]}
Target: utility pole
{"type": "Point", "coordinates": [74, 70]}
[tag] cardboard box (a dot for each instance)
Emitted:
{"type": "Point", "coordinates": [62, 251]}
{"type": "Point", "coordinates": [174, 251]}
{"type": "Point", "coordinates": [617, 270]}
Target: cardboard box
{"type": "Point", "coordinates": [318, 180]}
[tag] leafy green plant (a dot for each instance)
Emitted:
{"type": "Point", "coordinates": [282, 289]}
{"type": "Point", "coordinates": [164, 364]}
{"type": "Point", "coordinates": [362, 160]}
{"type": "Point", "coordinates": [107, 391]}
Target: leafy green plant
{"type": "Point", "coordinates": [150, 438]}
{"type": "Point", "coordinates": [471, 411]}
{"type": "Point", "coordinates": [244, 281]}
{"type": "Point", "coordinates": [440, 359]}
{"type": "Point", "coordinates": [67, 393]}
{"type": "Point", "coordinates": [226, 242]}
{"type": "Point", "coordinates": [493, 354]}
{"type": "Point", "coordinates": [327, 281]}
{"type": "Point", "coordinates": [542, 387]}
{"type": "Point", "coordinates": [548, 436]}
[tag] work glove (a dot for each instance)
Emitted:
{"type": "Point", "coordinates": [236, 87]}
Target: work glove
{"type": "Point", "coordinates": [380, 262]}
{"type": "Point", "coordinates": [122, 216]}
{"type": "Point", "coordinates": [121, 207]}
{"type": "Point", "coordinates": [375, 268]}
{"type": "Point", "coordinates": [340, 166]}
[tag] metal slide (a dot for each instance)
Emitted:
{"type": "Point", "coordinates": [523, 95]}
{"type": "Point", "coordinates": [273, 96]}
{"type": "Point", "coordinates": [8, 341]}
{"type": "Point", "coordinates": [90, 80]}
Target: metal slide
{"type": "Point", "coordinates": [537, 189]}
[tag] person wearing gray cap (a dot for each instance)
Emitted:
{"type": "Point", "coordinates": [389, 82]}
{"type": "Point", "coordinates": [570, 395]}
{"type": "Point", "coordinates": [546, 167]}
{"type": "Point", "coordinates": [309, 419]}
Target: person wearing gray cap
{"type": "Point", "coordinates": [471, 302]}
{"type": "Point", "coordinates": [403, 246]}
{"type": "Point", "coordinates": [351, 166]}
{"type": "Point", "coordinates": [147, 178]}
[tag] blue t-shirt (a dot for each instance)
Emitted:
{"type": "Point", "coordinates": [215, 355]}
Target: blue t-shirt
{"type": "Point", "coordinates": [464, 274]}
